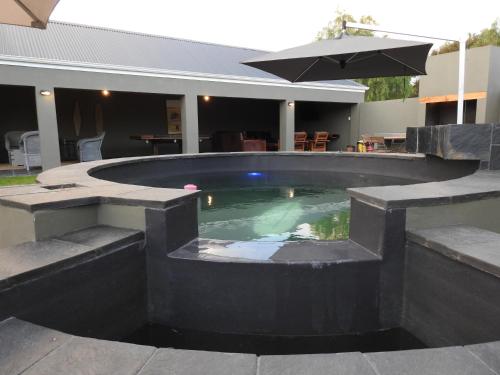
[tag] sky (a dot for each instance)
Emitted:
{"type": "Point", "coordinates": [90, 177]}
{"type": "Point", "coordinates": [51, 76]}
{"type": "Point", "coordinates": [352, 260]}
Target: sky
{"type": "Point", "coordinates": [273, 25]}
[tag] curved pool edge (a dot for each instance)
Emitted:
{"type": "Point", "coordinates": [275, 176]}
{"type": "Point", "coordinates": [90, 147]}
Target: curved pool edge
{"type": "Point", "coordinates": [41, 349]}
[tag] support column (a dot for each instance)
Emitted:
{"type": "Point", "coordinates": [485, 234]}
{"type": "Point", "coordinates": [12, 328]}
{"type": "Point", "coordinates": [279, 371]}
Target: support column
{"type": "Point", "coordinates": [189, 124]}
{"type": "Point", "coordinates": [287, 125]}
{"type": "Point", "coordinates": [47, 126]}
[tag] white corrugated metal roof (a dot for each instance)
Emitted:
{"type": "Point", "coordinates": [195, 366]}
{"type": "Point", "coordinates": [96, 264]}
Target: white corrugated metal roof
{"type": "Point", "coordinates": [96, 46]}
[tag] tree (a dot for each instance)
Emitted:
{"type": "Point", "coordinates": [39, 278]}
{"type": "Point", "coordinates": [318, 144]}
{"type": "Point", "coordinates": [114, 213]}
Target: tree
{"type": "Point", "coordinates": [384, 88]}
{"type": "Point", "coordinates": [486, 37]}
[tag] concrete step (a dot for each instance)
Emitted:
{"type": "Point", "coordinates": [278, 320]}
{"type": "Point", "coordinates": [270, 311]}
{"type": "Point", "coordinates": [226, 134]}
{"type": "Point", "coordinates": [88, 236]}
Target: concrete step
{"type": "Point", "coordinates": [472, 246]}
{"type": "Point", "coordinates": [33, 259]}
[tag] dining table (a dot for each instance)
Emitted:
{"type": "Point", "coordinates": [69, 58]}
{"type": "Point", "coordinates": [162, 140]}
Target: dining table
{"type": "Point", "coordinates": [155, 140]}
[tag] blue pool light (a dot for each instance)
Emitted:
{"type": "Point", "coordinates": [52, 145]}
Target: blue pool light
{"type": "Point", "coordinates": [254, 174]}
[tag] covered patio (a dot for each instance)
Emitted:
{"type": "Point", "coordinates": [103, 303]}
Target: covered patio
{"type": "Point", "coordinates": [180, 102]}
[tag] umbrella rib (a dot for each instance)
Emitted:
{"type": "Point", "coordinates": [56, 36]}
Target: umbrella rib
{"type": "Point", "coordinates": [402, 63]}
{"type": "Point", "coordinates": [364, 58]}
{"type": "Point", "coordinates": [29, 12]}
{"type": "Point", "coordinates": [307, 69]}
{"type": "Point", "coordinates": [352, 57]}
{"type": "Point", "coordinates": [331, 59]}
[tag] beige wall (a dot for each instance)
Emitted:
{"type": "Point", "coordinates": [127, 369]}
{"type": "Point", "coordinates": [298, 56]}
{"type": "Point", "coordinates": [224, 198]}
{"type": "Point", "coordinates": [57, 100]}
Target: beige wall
{"type": "Point", "coordinates": [492, 112]}
{"type": "Point", "coordinates": [442, 72]}
{"type": "Point", "coordinates": [389, 116]}
{"type": "Point", "coordinates": [394, 116]}
{"type": "Point", "coordinates": [16, 226]}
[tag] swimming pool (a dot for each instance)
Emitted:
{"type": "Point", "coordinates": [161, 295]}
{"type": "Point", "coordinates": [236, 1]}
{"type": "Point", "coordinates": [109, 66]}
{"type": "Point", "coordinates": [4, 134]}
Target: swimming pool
{"type": "Point", "coordinates": [276, 206]}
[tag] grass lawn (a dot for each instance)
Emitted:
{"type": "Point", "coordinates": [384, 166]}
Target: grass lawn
{"type": "Point", "coordinates": [17, 180]}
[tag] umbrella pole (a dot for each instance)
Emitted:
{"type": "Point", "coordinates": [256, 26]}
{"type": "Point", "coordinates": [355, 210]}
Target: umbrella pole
{"type": "Point", "coordinates": [461, 81]}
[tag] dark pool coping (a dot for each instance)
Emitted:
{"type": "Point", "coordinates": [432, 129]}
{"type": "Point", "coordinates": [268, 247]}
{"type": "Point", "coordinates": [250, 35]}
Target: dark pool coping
{"type": "Point", "coordinates": [73, 186]}
{"type": "Point", "coordinates": [34, 349]}
{"type": "Point", "coordinates": [480, 185]}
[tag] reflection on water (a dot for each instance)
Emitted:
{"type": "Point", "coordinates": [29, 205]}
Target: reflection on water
{"type": "Point", "coordinates": [274, 213]}
{"type": "Point", "coordinates": [243, 249]}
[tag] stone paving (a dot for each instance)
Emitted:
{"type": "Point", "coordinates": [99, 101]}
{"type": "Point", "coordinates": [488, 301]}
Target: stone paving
{"type": "Point", "coordinates": [26, 348]}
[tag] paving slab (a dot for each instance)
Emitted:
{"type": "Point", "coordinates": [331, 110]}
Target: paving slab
{"type": "Point", "coordinates": [103, 236]}
{"type": "Point", "coordinates": [439, 361]}
{"type": "Point", "coordinates": [315, 364]}
{"type": "Point", "coordinates": [489, 353]}
{"type": "Point", "coordinates": [149, 197]}
{"type": "Point", "coordinates": [476, 247]}
{"type": "Point", "coordinates": [22, 344]}
{"type": "Point", "coordinates": [21, 190]}
{"type": "Point", "coordinates": [193, 362]}
{"type": "Point", "coordinates": [94, 357]}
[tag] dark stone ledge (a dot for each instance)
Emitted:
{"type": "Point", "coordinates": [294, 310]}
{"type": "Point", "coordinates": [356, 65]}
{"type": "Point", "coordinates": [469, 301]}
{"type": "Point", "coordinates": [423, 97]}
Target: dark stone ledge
{"type": "Point", "coordinates": [31, 260]}
{"type": "Point", "coordinates": [476, 247]}
{"type": "Point", "coordinates": [480, 185]}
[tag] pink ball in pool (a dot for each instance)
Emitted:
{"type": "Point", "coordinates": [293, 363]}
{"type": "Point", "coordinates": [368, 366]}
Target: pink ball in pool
{"type": "Point", "coordinates": [190, 187]}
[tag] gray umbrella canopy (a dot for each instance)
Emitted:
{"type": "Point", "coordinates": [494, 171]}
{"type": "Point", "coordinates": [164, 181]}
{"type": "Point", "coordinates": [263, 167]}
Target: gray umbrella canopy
{"type": "Point", "coordinates": [31, 13]}
{"type": "Point", "coordinates": [346, 57]}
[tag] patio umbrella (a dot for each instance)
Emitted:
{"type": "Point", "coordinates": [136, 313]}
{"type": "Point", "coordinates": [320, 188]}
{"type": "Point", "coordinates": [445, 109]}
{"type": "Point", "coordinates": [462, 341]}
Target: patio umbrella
{"type": "Point", "coordinates": [32, 13]}
{"type": "Point", "coordinates": [346, 57]}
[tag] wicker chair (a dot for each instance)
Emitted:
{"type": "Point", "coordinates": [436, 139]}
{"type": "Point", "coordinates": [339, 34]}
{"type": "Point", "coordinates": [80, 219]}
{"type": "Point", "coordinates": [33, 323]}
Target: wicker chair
{"type": "Point", "coordinates": [29, 144]}
{"type": "Point", "coordinates": [89, 149]}
{"type": "Point", "coordinates": [12, 139]}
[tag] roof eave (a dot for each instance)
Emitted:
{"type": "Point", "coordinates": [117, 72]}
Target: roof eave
{"type": "Point", "coordinates": [120, 69]}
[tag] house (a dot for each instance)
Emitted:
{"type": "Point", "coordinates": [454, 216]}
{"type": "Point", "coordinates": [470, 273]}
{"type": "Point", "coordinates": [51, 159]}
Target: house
{"type": "Point", "coordinates": [73, 81]}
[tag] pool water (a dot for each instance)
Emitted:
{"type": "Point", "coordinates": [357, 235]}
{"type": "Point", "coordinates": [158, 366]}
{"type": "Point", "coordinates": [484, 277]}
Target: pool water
{"type": "Point", "coordinates": [274, 206]}
{"type": "Point", "coordinates": [274, 213]}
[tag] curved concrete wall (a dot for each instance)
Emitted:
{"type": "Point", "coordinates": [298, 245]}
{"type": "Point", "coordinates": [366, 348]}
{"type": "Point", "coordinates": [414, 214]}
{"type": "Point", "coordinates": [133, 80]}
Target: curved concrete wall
{"type": "Point", "coordinates": [155, 171]}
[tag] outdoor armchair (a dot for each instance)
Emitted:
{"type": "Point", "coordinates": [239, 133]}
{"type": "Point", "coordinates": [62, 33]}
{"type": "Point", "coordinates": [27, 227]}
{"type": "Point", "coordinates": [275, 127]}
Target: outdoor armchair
{"type": "Point", "coordinates": [319, 142]}
{"type": "Point", "coordinates": [29, 145]}
{"type": "Point", "coordinates": [300, 139]}
{"type": "Point", "coordinates": [90, 148]}
{"type": "Point", "coordinates": [12, 139]}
